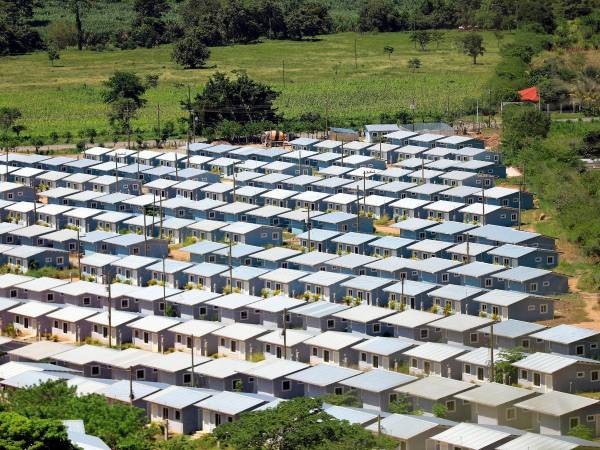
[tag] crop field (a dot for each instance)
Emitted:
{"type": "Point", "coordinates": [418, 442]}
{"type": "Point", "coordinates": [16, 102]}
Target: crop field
{"type": "Point", "coordinates": [319, 76]}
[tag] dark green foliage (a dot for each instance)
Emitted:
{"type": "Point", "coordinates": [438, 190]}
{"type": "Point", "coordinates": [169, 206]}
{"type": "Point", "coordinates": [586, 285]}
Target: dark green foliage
{"type": "Point", "coordinates": [16, 34]}
{"type": "Point", "coordinates": [590, 148]}
{"type": "Point", "coordinates": [19, 432]}
{"type": "Point", "coordinates": [190, 52]}
{"type": "Point", "coordinates": [582, 432]}
{"type": "Point", "coordinates": [118, 425]}
{"type": "Point", "coordinates": [239, 99]}
{"type": "Point", "coordinates": [8, 118]}
{"type": "Point", "coordinates": [401, 405]}
{"type": "Point", "coordinates": [124, 85]}
{"type": "Point", "coordinates": [422, 38]}
{"type": "Point", "coordinates": [523, 125]}
{"type": "Point", "coordinates": [380, 15]}
{"type": "Point", "coordinates": [472, 45]}
{"type": "Point", "coordinates": [504, 372]}
{"type": "Point", "coordinates": [308, 20]}
{"type": "Point", "coordinates": [346, 399]}
{"type": "Point", "coordinates": [296, 424]}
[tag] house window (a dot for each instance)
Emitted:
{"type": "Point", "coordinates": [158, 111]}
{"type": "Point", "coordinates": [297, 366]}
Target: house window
{"type": "Point", "coordinates": [60, 260]}
{"type": "Point", "coordinates": [125, 303]}
{"type": "Point", "coordinates": [363, 357]}
{"type": "Point", "coordinates": [474, 337]}
{"type": "Point", "coordinates": [177, 415]}
{"type": "Point", "coordinates": [424, 333]}
{"type": "Point", "coordinates": [524, 374]}
{"type": "Point", "coordinates": [533, 287]}
{"type": "Point", "coordinates": [330, 323]}
{"type": "Point", "coordinates": [451, 405]}
{"type": "Point", "coordinates": [580, 374]}
{"type": "Point", "coordinates": [468, 369]}
{"type": "Point", "coordinates": [579, 350]}
{"type": "Point", "coordinates": [590, 418]}
{"type": "Point", "coordinates": [414, 363]}
{"type": "Point", "coordinates": [550, 259]}
{"type": "Point", "coordinates": [543, 309]}
{"type": "Point", "coordinates": [286, 385]}
{"type": "Point", "coordinates": [511, 413]}
{"type": "Point", "coordinates": [376, 328]}
{"type": "Point", "coordinates": [573, 422]}
{"type": "Point", "coordinates": [95, 370]}
{"type": "Point", "coordinates": [244, 315]}
{"type": "Point", "coordinates": [537, 379]}
{"type": "Point", "coordinates": [315, 351]}
{"type": "Point", "coordinates": [338, 391]}
{"type": "Point", "coordinates": [140, 374]}
{"type": "Point", "coordinates": [187, 378]}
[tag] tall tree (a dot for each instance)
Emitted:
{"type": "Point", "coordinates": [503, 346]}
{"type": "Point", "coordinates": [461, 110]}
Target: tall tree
{"type": "Point", "coordinates": [238, 99]}
{"type": "Point", "coordinates": [17, 431]}
{"type": "Point", "coordinates": [472, 45]}
{"type": "Point", "coordinates": [76, 7]}
{"type": "Point", "coordinates": [379, 15]}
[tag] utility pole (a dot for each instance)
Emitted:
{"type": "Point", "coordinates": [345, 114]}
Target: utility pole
{"type": "Point", "coordinates": [308, 227]}
{"type": "Point", "coordinates": [230, 266]}
{"type": "Point", "coordinates": [117, 171]}
{"type": "Point", "coordinates": [160, 218]}
{"type": "Point", "coordinates": [153, 212]}
{"type": "Point", "coordinates": [34, 200]}
{"type": "Point", "coordinates": [109, 314]}
{"type": "Point", "coordinates": [492, 368]}
{"type": "Point", "coordinates": [192, 368]}
{"type": "Point", "coordinates": [357, 209]}
{"type": "Point", "coordinates": [483, 206]}
{"type": "Point", "coordinates": [78, 253]}
{"type": "Point", "coordinates": [158, 125]}
{"type": "Point", "coordinates": [284, 333]}
{"type": "Point", "coordinates": [131, 396]}
{"type": "Point", "coordinates": [145, 234]}
{"type": "Point", "coordinates": [164, 280]}
{"type": "Point", "coordinates": [422, 171]}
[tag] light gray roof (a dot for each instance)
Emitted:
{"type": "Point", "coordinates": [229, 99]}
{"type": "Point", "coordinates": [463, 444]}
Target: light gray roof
{"type": "Point", "coordinates": [134, 262]}
{"type": "Point", "coordinates": [471, 436]}
{"type": "Point", "coordinates": [154, 324]}
{"type": "Point", "coordinates": [462, 322]}
{"type": "Point", "coordinates": [480, 357]}
{"type": "Point", "coordinates": [413, 224]}
{"type": "Point", "coordinates": [197, 328]}
{"type": "Point", "coordinates": [502, 298]}
{"type": "Point", "coordinates": [41, 350]}
{"type": "Point", "coordinates": [404, 427]}
{"type": "Point", "coordinates": [521, 274]}
{"type": "Point", "coordinates": [118, 318]}
{"type": "Point", "coordinates": [323, 375]}
{"type": "Point", "coordinates": [538, 441]}
{"type": "Point", "coordinates": [334, 340]}
{"type": "Point", "coordinates": [121, 390]}
{"type": "Point", "coordinates": [233, 301]}
{"type": "Point", "coordinates": [152, 293]}
{"type": "Point", "coordinates": [367, 282]}
{"type": "Point", "coordinates": [555, 403]}
{"type": "Point", "coordinates": [391, 242]}
{"type": "Point", "coordinates": [179, 397]}
{"type": "Point", "coordinates": [476, 269]}
{"type": "Point", "coordinates": [86, 354]}
{"type": "Point", "coordinates": [312, 258]}
{"type": "Point", "coordinates": [435, 388]}
{"type": "Point", "coordinates": [324, 278]}
{"type": "Point", "coordinates": [240, 331]}
{"type": "Point", "coordinates": [378, 380]}
{"type": "Point", "coordinates": [274, 254]}
{"type": "Point", "coordinates": [34, 309]}
{"type": "Point", "coordinates": [433, 351]}
{"type": "Point", "coordinates": [512, 328]}
{"type": "Point", "coordinates": [72, 313]}
{"type": "Point", "coordinates": [353, 415]}
{"type": "Point", "coordinates": [351, 260]}
{"type": "Point", "coordinates": [282, 275]}
{"type": "Point", "coordinates": [42, 284]}
{"type": "Point", "coordinates": [384, 345]}
{"type": "Point", "coordinates": [192, 297]}
{"type": "Point", "coordinates": [11, 279]}
{"type": "Point", "coordinates": [411, 318]}
{"type": "Point", "coordinates": [278, 303]}
{"type": "Point", "coordinates": [230, 403]}
{"type": "Point", "coordinates": [430, 246]}
{"type": "Point", "coordinates": [455, 292]}
{"type": "Point", "coordinates": [292, 337]}
{"type": "Point", "coordinates": [565, 334]}
{"type": "Point", "coordinates": [272, 369]}
{"type": "Point", "coordinates": [552, 362]}
{"type": "Point", "coordinates": [223, 367]}
{"type": "Point", "coordinates": [319, 309]}
{"type": "Point", "coordinates": [99, 259]}
{"type": "Point", "coordinates": [495, 394]}
{"type": "Point", "coordinates": [364, 313]}
{"type": "Point", "coordinates": [170, 266]}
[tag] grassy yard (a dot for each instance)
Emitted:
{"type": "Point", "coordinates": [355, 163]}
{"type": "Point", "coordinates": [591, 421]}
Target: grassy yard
{"type": "Point", "coordinates": [318, 75]}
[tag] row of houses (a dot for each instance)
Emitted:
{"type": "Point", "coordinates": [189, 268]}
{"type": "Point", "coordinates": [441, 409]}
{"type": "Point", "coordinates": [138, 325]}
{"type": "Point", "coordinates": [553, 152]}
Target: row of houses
{"type": "Point", "coordinates": [201, 393]}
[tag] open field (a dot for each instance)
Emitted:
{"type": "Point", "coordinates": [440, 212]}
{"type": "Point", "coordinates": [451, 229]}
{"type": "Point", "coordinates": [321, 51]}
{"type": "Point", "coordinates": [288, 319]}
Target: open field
{"type": "Point", "coordinates": [319, 75]}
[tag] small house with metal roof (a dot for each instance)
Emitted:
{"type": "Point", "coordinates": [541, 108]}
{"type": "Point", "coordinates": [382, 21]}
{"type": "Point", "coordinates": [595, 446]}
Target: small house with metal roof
{"type": "Point", "coordinates": [39, 289]}
{"type": "Point", "coordinates": [470, 252]}
{"type": "Point", "coordinates": [205, 276]}
{"type": "Point", "coordinates": [476, 274]}
{"type": "Point", "coordinates": [318, 316]}
{"type": "Point", "coordinates": [150, 333]}
{"type": "Point", "coordinates": [473, 437]}
{"type": "Point", "coordinates": [238, 255]}
{"type": "Point", "coordinates": [196, 333]}
{"type": "Point", "coordinates": [323, 379]}
{"type": "Point", "coordinates": [334, 347]}
{"type": "Point", "coordinates": [409, 293]}
{"type": "Point", "coordinates": [568, 340]}
{"type": "Point", "coordinates": [556, 413]}
{"type": "Point", "coordinates": [274, 257]}
{"type": "Point", "coordinates": [135, 245]}
{"type": "Point", "coordinates": [533, 281]}
{"type": "Point", "coordinates": [375, 388]}
{"type": "Point", "coordinates": [450, 231]}
{"type": "Point", "coordinates": [69, 323]}
{"type": "Point", "coordinates": [531, 440]}
{"type": "Point", "coordinates": [252, 234]}
{"type": "Point", "coordinates": [278, 342]}
{"type": "Point", "coordinates": [461, 329]}
{"type": "Point", "coordinates": [239, 340]}
{"type": "Point", "coordinates": [235, 307]}
{"type": "Point", "coordinates": [244, 279]}
{"type": "Point", "coordinates": [366, 288]}
{"type": "Point", "coordinates": [207, 230]}
{"type": "Point", "coordinates": [383, 352]}
{"type": "Point", "coordinates": [433, 358]}
{"type": "Point", "coordinates": [285, 281]}
{"type": "Point", "coordinates": [270, 378]}
{"type": "Point", "coordinates": [428, 248]}
{"type": "Point", "coordinates": [23, 258]}
{"type": "Point", "coordinates": [169, 272]}
{"type": "Point", "coordinates": [476, 364]}
{"type": "Point", "coordinates": [96, 267]}
{"type": "Point", "coordinates": [387, 246]}
{"type": "Point", "coordinates": [132, 269]}
{"type": "Point", "coordinates": [510, 333]}
{"type": "Point", "coordinates": [117, 327]}
{"type": "Point", "coordinates": [152, 300]}
{"type": "Point", "coordinates": [343, 222]}
{"type": "Point", "coordinates": [312, 261]}
{"type": "Point", "coordinates": [81, 293]}
{"type": "Point", "coordinates": [351, 264]}
{"type": "Point", "coordinates": [275, 312]}
{"type": "Point", "coordinates": [226, 407]}
{"type": "Point", "coordinates": [30, 318]}
{"type": "Point", "coordinates": [494, 404]}
{"type": "Point", "coordinates": [510, 255]}
{"type": "Point", "coordinates": [508, 197]}
{"type": "Point", "coordinates": [429, 392]}
{"type": "Point", "coordinates": [506, 304]}
{"type": "Point", "coordinates": [454, 298]}
{"type": "Point", "coordinates": [410, 431]}
{"type": "Point", "coordinates": [191, 304]}
{"type": "Point", "coordinates": [324, 285]}
{"type": "Point", "coordinates": [545, 372]}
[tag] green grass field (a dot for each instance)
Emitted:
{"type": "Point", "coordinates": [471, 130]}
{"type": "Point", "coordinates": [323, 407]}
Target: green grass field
{"type": "Point", "coordinates": [318, 75]}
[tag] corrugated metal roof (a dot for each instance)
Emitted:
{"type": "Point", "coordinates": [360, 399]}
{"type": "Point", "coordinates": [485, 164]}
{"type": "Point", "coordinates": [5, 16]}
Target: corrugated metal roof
{"type": "Point", "coordinates": [435, 388]}
{"type": "Point", "coordinates": [323, 375]}
{"type": "Point", "coordinates": [378, 380]}
{"type": "Point", "coordinates": [552, 362]}
{"type": "Point", "coordinates": [411, 318]}
{"type": "Point", "coordinates": [364, 313]}
{"type": "Point", "coordinates": [433, 351]}
{"type": "Point", "coordinates": [556, 403]}
{"type": "Point", "coordinates": [462, 322]}
{"type": "Point", "coordinates": [512, 328]}
{"type": "Point", "coordinates": [404, 427]}
{"type": "Point", "coordinates": [179, 397]}
{"type": "Point", "coordinates": [230, 403]}
{"type": "Point", "coordinates": [383, 345]}
{"type": "Point", "coordinates": [565, 334]}
{"type": "Point", "coordinates": [319, 309]}
{"type": "Point", "coordinates": [495, 394]}
{"type": "Point", "coordinates": [334, 340]}
{"type": "Point", "coordinates": [467, 435]}
{"type": "Point", "coordinates": [536, 441]}
{"type": "Point", "coordinates": [240, 331]}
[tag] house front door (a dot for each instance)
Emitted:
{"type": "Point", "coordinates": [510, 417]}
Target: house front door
{"type": "Point", "coordinates": [426, 367]}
